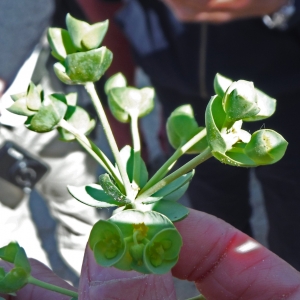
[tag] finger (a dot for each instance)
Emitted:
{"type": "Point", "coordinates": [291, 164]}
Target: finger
{"type": "Point", "coordinates": [225, 263]}
{"type": "Point", "coordinates": [111, 283]}
{"type": "Point", "coordinates": [33, 292]}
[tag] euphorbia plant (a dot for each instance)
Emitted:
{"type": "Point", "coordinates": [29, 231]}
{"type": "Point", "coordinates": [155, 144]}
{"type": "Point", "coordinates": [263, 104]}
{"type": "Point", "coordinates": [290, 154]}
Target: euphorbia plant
{"type": "Point", "coordinates": [141, 235]}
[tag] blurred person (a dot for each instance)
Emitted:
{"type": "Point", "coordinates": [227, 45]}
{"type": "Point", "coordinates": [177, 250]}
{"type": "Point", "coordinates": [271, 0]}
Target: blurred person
{"type": "Point", "coordinates": [24, 55]}
{"type": "Point", "coordinates": [181, 45]}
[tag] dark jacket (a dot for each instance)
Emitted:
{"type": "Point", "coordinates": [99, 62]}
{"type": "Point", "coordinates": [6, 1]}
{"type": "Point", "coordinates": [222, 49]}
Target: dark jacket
{"type": "Point", "coordinates": [186, 56]}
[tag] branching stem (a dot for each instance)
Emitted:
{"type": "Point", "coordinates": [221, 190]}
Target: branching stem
{"type": "Point", "coordinates": [167, 166]}
{"type": "Point", "coordinates": [206, 154]}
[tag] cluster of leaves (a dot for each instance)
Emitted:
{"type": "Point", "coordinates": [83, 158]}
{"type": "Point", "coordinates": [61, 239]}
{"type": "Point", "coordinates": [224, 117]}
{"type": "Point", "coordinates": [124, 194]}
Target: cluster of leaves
{"type": "Point", "coordinates": [45, 113]}
{"type": "Point", "coordinates": [17, 277]}
{"type": "Point", "coordinates": [140, 235]}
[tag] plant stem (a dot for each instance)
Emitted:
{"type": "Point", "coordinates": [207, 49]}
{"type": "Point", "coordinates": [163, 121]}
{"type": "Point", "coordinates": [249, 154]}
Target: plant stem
{"type": "Point", "coordinates": [93, 150]}
{"type": "Point", "coordinates": [206, 154]}
{"type": "Point", "coordinates": [136, 150]}
{"type": "Point", "coordinates": [52, 287]}
{"type": "Point", "coordinates": [167, 166]}
{"type": "Point", "coordinates": [109, 135]}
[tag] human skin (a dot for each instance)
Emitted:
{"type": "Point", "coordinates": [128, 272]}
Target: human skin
{"type": "Point", "coordinates": [219, 11]}
{"type": "Point", "coordinates": [223, 262]}
{"type": "Point", "coordinates": [214, 255]}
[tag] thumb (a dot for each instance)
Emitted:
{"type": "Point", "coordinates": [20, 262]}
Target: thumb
{"type": "Point", "coordinates": [111, 283]}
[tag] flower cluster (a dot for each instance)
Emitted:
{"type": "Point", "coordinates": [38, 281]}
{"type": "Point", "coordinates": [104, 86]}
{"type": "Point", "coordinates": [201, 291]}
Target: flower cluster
{"type": "Point", "coordinates": [148, 244]}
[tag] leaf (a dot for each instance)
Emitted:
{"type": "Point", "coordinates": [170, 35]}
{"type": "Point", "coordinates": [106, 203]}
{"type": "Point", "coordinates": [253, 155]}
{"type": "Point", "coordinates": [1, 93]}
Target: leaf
{"type": "Point", "coordinates": [61, 74]}
{"type": "Point", "coordinates": [161, 254]}
{"type": "Point", "coordinates": [83, 67]}
{"type": "Point", "coordinates": [182, 126]}
{"type": "Point", "coordinates": [214, 111]}
{"type": "Point", "coordinates": [21, 260]}
{"type": "Point", "coordinates": [127, 156]}
{"type": "Point", "coordinates": [9, 252]}
{"type": "Point", "coordinates": [71, 99]}
{"type": "Point", "coordinates": [92, 195]}
{"type": "Point", "coordinates": [177, 194]}
{"type": "Point", "coordinates": [117, 80]}
{"type": "Point", "coordinates": [240, 100]}
{"type": "Point", "coordinates": [79, 119]}
{"type": "Point", "coordinates": [51, 112]}
{"type": "Point", "coordinates": [154, 221]}
{"type": "Point", "coordinates": [60, 42]}
{"type": "Point", "coordinates": [17, 277]}
{"type": "Point", "coordinates": [267, 107]}
{"type": "Point", "coordinates": [266, 147]}
{"type": "Point", "coordinates": [234, 159]}
{"type": "Point", "coordinates": [107, 243]}
{"type": "Point", "coordinates": [94, 37]}
{"type": "Point", "coordinates": [77, 29]}
{"type": "Point", "coordinates": [172, 210]}
{"type": "Point", "coordinates": [174, 185]}
{"type": "Point", "coordinates": [19, 107]}
{"type": "Point", "coordinates": [110, 189]}
{"type": "Point", "coordinates": [18, 96]}
{"type": "Point", "coordinates": [221, 84]}
{"type": "Point", "coordinates": [33, 98]}
{"type": "Point", "coordinates": [14, 280]}
{"type": "Point", "coordinates": [127, 101]}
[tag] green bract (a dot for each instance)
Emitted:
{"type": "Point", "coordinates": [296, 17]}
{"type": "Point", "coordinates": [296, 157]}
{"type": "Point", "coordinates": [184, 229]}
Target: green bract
{"type": "Point", "coordinates": [27, 103]}
{"type": "Point", "coordinates": [77, 117]}
{"type": "Point", "coordinates": [85, 36]}
{"type": "Point", "coordinates": [128, 102]}
{"type": "Point", "coordinates": [83, 67]}
{"type": "Point", "coordinates": [266, 147]}
{"type": "Point", "coordinates": [77, 49]}
{"type": "Point", "coordinates": [182, 126]}
{"type": "Point", "coordinates": [17, 277]}
{"type": "Point", "coordinates": [146, 242]}
{"type": "Point", "coordinates": [232, 145]}
{"type": "Point", "coordinates": [240, 101]}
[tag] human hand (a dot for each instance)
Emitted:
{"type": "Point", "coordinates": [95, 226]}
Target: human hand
{"type": "Point", "coordinates": [219, 11]}
{"type": "Point", "coordinates": [223, 262]}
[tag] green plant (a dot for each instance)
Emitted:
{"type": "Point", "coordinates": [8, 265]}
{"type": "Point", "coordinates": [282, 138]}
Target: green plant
{"type": "Point", "coordinates": [141, 235]}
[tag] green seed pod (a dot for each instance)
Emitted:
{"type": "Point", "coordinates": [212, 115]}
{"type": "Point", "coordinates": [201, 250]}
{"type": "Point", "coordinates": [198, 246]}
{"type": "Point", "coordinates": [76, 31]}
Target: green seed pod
{"type": "Point", "coordinates": [240, 100]}
{"type": "Point", "coordinates": [266, 147]}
